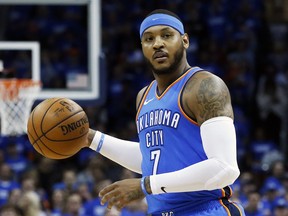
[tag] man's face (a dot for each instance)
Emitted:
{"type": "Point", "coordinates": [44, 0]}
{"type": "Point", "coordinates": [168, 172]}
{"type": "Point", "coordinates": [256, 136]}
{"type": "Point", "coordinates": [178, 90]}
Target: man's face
{"type": "Point", "coordinates": [163, 48]}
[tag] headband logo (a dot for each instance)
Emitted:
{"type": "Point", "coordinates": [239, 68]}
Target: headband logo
{"type": "Point", "coordinates": [161, 19]}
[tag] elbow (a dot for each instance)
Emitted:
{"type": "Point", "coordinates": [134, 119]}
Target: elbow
{"type": "Point", "coordinates": [234, 173]}
{"type": "Point", "coordinates": [227, 176]}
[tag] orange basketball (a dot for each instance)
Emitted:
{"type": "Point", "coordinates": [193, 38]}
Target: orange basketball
{"type": "Point", "coordinates": [57, 128]}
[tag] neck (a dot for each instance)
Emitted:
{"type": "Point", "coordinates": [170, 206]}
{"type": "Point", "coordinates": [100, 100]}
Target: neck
{"type": "Point", "coordinates": [164, 80]}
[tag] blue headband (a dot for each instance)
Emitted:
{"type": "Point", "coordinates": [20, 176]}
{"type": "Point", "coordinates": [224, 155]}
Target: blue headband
{"type": "Point", "coordinates": [161, 19]}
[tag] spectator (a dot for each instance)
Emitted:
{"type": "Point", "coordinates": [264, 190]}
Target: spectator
{"type": "Point", "coordinates": [261, 146]}
{"type": "Point", "coordinates": [2, 158]}
{"type": "Point", "coordinates": [30, 204]}
{"type": "Point", "coordinates": [93, 207]}
{"type": "Point", "coordinates": [7, 184]}
{"type": "Point", "coordinates": [275, 178]}
{"type": "Point", "coordinates": [45, 168]}
{"type": "Point", "coordinates": [68, 183]}
{"type": "Point", "coordinates": [254, 206]}
{"type": "Point", "coordinates": [93, 172]}
{"type": "Point", "coordinates": [280, 207]}
{"type": "Point", "coordinates": [10, 210]}
{"type": "Point", "coordinates": [271, 100]}
{"type": "Point", "coordinates": [17, 162]}
{"type": "Point", "coordinates": [57, 202]}
{"type": "Point", "coordinates": [84, 191]}
{"type": "Point", "coordinates": [248, 185]}
{"type": "Point", "coordinates": [73, 206]}
{"type": "Point", "coordinates": [270, 194]}
{"type": "Point", "coordinates": [14, 196]}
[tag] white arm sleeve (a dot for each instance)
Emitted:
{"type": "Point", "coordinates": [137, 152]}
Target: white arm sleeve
{"type": "Point", "coordinates": [126, 153]}
{"type": "Point", "coordinates": [219, 170]}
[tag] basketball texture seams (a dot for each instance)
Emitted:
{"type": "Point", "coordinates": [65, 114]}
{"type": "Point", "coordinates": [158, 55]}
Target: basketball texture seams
{"type": "Point", "coordinates": [40, 113]}
{"type": "Point", "coordinates": [65, 129]}
{"type": "Point", "coordinates": [57, 128]}
{"type": "Point", "coordinates": [43, 149]}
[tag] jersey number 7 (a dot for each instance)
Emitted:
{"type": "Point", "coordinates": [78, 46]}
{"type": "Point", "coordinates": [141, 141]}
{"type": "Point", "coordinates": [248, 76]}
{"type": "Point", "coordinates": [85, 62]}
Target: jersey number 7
{"type": "Point", "coordinates": [155, 156]}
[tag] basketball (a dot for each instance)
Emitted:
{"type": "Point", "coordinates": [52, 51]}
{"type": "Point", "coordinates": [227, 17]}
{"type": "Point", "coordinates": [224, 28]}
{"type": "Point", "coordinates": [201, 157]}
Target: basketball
{"type": "Point", "coordinates": [57, 128]}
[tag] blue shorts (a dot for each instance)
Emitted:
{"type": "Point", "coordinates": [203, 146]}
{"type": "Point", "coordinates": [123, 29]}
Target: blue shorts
{"type": "Point", "coordinates": [213, 208]}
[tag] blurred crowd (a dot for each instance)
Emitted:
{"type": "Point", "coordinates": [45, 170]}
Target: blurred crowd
{"type": "Point", "coordinates": [244, 42]}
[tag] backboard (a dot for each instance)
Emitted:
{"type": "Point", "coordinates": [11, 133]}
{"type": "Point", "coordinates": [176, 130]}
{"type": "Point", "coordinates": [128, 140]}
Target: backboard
{"type": "Point", "coordinates": [65, 49]}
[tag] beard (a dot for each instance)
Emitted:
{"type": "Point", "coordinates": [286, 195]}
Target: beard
{"type": "Point", "coordinates": [174, 65]}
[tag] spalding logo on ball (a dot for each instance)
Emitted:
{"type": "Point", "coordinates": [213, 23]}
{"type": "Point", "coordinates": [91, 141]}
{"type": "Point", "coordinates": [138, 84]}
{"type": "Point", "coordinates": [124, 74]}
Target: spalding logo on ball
{"type": "Point", "coordinates": [57, 128]}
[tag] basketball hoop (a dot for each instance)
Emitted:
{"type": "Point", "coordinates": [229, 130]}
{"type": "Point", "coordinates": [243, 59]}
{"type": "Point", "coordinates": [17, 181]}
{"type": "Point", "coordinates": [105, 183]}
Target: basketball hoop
{"type": "Point", "coordinates": [16, 100]}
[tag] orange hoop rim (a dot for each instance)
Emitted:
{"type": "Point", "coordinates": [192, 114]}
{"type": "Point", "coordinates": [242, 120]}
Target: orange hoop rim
{"type": "Point", "coordinates": [19, 82]}
{"type": "Point", "coordinates": [10, 88]}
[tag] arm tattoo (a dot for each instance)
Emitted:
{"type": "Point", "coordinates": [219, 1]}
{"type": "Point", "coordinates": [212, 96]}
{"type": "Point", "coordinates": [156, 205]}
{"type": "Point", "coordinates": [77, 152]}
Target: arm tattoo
{"type": "Point", "coordinates": [214, 99]}
{"type": "Point", "coordinates": [134, 195]}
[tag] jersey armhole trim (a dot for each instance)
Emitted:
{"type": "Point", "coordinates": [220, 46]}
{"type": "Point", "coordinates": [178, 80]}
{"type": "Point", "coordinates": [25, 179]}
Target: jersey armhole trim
{"type": "Point", "coordinates": [180, 104]}
{"type": "Point", "coordinates": [143, 98]}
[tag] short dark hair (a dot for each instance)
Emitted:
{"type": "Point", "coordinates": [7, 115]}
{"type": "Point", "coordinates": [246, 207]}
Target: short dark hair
{"type": "Point", "coordinates": [164, 11]}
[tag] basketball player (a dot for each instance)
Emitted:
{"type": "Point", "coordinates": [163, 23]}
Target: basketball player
{"type": "Point", "coordinates": [187, 148]}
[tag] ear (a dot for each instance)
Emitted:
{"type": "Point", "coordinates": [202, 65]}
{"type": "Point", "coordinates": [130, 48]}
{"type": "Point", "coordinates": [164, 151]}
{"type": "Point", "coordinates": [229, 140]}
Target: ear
{"type": "Point", "coordinates": [185, 40]}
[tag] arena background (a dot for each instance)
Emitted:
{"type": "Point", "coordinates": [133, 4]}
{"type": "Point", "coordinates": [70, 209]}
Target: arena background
{"type": "Point", "coordinates": [90, 51]}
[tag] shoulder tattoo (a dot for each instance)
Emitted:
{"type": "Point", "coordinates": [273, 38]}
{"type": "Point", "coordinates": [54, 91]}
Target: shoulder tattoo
{"type": "Point", "coordinates": [213, 98]}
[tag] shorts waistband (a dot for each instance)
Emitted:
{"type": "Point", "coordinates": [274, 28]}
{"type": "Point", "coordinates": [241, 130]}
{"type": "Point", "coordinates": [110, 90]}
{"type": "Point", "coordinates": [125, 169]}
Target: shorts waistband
{"type": "Point", "coordinates": [196, 209]}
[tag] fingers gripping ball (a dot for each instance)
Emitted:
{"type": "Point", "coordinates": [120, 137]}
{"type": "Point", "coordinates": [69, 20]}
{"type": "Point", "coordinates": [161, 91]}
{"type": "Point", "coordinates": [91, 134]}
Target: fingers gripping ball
{"type": "Point", "coordinates": [57, 128]}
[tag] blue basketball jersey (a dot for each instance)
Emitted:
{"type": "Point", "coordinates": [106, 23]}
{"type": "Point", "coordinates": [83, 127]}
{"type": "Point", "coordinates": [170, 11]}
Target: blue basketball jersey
{"type": "Point", "coordinates": [170, 141]}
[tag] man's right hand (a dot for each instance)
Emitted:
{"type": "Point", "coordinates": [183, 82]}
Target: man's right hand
{"type": "Point", "coordinates": [90, 136]}
{"type": "Point", "coordinates": [121, 193]}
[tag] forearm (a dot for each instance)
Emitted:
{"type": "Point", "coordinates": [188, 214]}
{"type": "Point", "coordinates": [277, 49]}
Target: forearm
{"type": "Point", "coordinates": [207, 175]}
{"type": "Point", "coordinates": [217, 171]}
{"type": "Point", "coordinates": [123, 152]}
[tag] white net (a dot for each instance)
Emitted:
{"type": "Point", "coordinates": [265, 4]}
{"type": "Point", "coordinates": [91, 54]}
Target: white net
{"type": "Point", "coordinates": [16, 100]}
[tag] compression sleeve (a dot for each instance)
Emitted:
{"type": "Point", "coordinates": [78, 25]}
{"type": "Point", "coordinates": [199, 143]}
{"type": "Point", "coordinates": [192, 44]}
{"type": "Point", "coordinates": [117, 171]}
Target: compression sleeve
{"type": "Point", "coordinates": [219, 170]}
{"type": "Point", "coordinates": [126, 153]}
